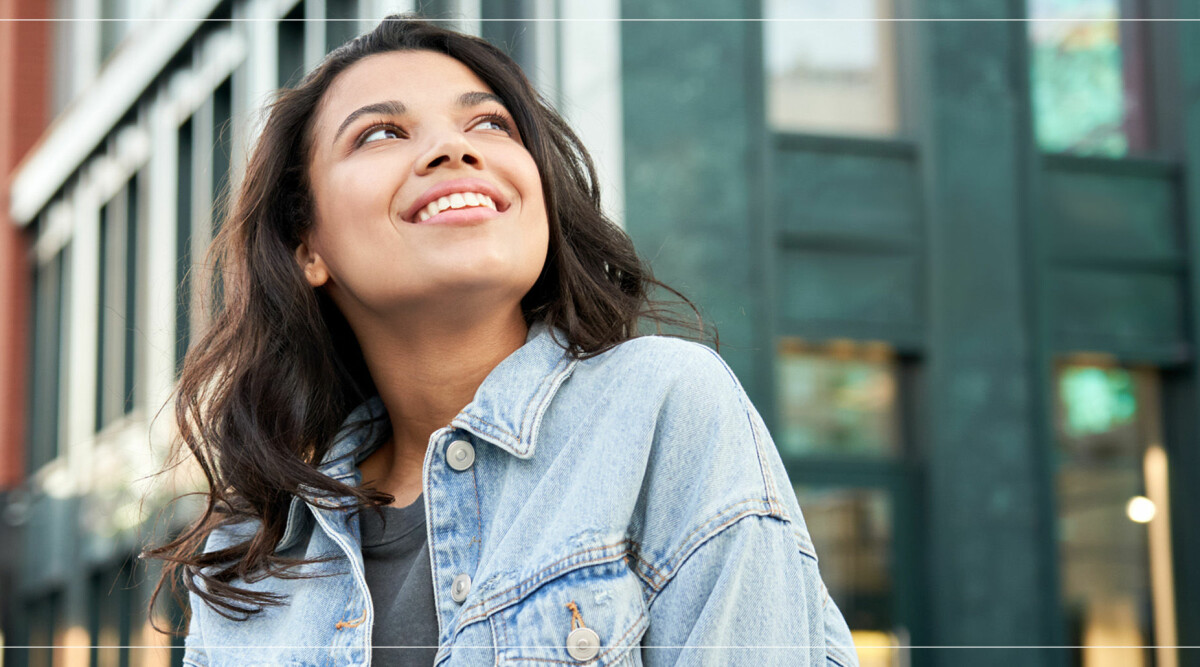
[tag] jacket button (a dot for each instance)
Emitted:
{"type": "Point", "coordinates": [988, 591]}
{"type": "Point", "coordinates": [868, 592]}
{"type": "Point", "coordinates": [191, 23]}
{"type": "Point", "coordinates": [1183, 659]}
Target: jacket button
{"type": "Point", "coordinates": [460, 587]}
{"type": "Point", "coordinates": [583, 644]}
{"type": "Point", "coordinates": [460, 455]}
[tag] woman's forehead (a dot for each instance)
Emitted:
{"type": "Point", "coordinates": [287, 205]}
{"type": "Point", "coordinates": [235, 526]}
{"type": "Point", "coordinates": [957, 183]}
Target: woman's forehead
{"type": "Point", "coordinates": [413, 78]}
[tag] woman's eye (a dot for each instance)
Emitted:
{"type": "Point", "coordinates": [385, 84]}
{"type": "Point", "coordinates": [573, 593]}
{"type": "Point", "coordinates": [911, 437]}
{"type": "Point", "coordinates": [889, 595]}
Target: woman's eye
{"type": "Point", "coordinates": [380, 133]}
{"type": "Point", "coordinates": [495, 123]}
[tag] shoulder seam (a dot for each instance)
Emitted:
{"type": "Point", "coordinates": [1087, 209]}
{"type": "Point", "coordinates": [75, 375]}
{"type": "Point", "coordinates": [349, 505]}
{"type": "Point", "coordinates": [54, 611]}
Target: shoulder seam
{"type": "Point", "coordinates": [657, 579]}
{"type": "Point", "coordinates": [769, 485]}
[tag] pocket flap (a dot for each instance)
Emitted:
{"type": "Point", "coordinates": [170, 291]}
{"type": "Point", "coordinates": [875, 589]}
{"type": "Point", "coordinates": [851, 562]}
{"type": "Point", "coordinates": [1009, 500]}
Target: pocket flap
{"type": "Point", "coordinates": [595, 615]}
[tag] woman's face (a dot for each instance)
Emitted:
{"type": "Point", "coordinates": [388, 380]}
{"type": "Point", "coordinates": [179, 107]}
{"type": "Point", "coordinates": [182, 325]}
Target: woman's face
{"type": "Point", "coordinates": [423, 191]}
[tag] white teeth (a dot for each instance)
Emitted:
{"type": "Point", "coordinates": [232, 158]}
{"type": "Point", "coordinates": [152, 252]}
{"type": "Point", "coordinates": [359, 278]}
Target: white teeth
{"type": "Point", "coordinates": [455, 200]}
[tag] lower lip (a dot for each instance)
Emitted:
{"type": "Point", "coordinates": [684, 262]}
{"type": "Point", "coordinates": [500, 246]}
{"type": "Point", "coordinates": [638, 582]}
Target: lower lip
{"type": "Point", "coordinates": [471, 215]}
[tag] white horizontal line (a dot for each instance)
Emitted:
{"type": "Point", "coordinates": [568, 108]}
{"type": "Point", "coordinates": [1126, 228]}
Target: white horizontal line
{"type": "Point", "coordinates": [660, 646]}
{"type": "Point", "coordinates": [627, 20]}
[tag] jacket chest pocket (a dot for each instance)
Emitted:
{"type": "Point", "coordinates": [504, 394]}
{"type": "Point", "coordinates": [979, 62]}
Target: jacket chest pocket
{"type": "Point", "coordinates": [594, 615]}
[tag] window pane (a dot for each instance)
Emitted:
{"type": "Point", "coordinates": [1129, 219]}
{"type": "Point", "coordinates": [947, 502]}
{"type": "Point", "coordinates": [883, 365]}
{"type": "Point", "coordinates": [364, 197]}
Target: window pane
{"type": "Point", "coordinates": [291, 47]}
{"type": "Point", "coordinates": [831, 76]}
{"type": "Point", "coordinates": [183, 243]}
{"type": "Point", "coordinates": [513, 37]}
{"type": "Point", "coordinates": [103, 333]}
{"type": "Point", "coordinates": [49, 306]}
{"type": "Point", "coordinates": [1112, 502]}
{"type": "Point", "coordinates": [852, 531]}
{"type": "Point", "coordinates": [114, 372]}
{"type": "Point", "coordinates": [837, 399]}
{"type": "Point", "coordinates": [1089, 85]}
{"type": "Point", "coordinates": [112, 29]}
{"type": "Point", "coordinates": [341, 22]}
{"type": "Point", "coordinates": [132, 281]}
{"type": "Point", "coordinates": [222, 152]}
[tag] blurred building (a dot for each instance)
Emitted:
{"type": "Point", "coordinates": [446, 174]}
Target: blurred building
{"type": "Point", "coordinates": [953, 262]}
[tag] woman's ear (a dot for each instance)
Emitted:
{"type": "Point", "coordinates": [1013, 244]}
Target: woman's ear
{"type": "Point", "coordinates": [314, 267]}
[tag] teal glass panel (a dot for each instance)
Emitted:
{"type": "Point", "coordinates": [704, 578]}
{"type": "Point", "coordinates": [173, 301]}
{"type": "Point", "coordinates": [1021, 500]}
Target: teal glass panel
{"type": "Point", "coordinates": [837, 399]}
{"type": "Point", "coordinates": [831, 67]}
{"type": "Point", "coordinates": [1113, 539]}
{"type": "Point", "coordinates": [1088, 86]}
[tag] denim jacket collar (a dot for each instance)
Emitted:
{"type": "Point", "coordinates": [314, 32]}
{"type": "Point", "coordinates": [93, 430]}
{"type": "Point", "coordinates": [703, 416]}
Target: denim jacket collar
{"type": "Point", "coordinates": [507, 411]}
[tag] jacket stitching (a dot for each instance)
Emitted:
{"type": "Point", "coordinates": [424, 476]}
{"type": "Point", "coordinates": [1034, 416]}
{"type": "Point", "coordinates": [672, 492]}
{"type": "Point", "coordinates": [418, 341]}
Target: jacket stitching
{"type": "Point", "coordinates": [568, 365]}
{"type": "Point", "coordinates": [522, 425]}
{"type": "Point", "coordinates": [636, 553]}
{"type": "Point", "coordinates": [544, 394]}
{"type": "Point", "coordinates": [478, 515]}
{"type": "Point", "coordinates": [680, 561]}
{"type": "Point", "coordinates": [804, 545]}
{"type": "Point", "coordinates": [538, 579]}
{"type": "Point", "coordinates": [768, 478]}
{"type": "Point", "coordinates": [502, 431]}
{"type": "Point", "coordinates": [495, 642]}
{"type": "Point", "coordinates": [551, 566]}
{"type": "Point", "coordinates": [688, 547]}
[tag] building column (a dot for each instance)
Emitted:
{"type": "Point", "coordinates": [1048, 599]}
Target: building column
{"type": "Point", "coordinates": [991, 581]}
{"type": "Point", "coordinates": [1183, 429]}
{"type": "Point", "coordinates": [692, 112]}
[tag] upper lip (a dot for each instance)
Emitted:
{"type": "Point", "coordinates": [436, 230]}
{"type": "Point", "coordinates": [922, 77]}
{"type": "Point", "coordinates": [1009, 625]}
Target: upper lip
{"type": "Point", "coordinates": [447, 188]}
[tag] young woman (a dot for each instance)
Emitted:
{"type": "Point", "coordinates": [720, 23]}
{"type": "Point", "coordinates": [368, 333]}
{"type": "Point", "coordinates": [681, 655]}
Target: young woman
{"type": "Point", "coordinates": [426, 416]}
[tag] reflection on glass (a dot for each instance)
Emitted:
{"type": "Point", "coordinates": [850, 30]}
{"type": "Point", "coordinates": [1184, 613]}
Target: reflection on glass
{"type": "Point", "coordinates": [837, 398]}
{"type": "Point", "coordinates": [831, 66]}
{"type": "Point", "coordinates": [1113, 535]}
{"type": "Point", "coordinates": [852, 530]}
{"type": "Point", "coordinates": [1088, 82]}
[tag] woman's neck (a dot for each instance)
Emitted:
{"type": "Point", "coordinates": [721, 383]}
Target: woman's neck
{"type": "Point", "coordinates": [426, 376]}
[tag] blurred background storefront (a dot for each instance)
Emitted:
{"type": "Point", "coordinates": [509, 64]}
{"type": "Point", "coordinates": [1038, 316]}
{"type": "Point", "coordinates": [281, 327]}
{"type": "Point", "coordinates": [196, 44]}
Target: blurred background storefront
{"type": "Point", "coordinates": [956, 264]}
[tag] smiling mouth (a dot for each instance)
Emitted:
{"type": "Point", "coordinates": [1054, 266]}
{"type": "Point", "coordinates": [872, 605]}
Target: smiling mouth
{"type": "Point", "coordinates": [454, 201]}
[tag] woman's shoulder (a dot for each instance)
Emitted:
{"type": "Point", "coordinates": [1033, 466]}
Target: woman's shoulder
{"type": "Point", "coordinates": [665, 359]}
{"type": "Point", "coordinates": [664, 355]}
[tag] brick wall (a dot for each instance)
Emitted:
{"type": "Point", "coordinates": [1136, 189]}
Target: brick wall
{"type": "Point", "coordinates": [25, 66]}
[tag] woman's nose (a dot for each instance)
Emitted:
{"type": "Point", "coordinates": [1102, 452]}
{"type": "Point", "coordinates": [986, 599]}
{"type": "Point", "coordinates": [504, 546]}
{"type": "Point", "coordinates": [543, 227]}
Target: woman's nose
{"type": "Point", "coordinates": [451, 150]}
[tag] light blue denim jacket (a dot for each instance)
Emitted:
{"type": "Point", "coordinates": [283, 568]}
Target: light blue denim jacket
{"type": "Point", "coordinates": [640, 485]}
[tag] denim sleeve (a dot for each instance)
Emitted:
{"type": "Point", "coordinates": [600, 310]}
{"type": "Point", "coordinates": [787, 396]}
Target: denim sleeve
{"type": "Point", "coordinates": [194, 654]}
{"type": "Point", "coordinates": [747, 596]}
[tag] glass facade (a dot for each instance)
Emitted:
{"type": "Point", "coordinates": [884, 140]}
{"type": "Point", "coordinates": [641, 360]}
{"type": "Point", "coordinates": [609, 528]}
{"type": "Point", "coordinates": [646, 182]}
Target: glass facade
{"type": "Point", "coordinates": [839, 429]}
{"type": "Point", "coordinates": [1114, 548]}
{"type": "Point", "coordinates": [1089, 77]}
{"type": "Point", "coordinates": [837, 399]}
{"type": "Point", "coordinates": [831, 67]}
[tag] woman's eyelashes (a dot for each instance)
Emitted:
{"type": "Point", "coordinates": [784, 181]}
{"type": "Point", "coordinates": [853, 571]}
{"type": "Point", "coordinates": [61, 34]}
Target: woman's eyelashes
{"type": "Point", "coordinates": [377, 132]}
{"type": "Point", "coordinates": [500, 121]}
{"type": "Point", "coordinates": [490, 121]}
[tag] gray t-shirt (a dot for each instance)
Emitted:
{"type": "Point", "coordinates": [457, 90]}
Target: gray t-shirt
{"type": "Point", "coordinates": [396, 562]}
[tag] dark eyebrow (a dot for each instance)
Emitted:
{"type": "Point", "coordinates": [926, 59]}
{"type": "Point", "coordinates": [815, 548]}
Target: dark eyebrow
{"type": "Point", "coordinates": [478, 97]}
{"type": "Point", "coordinates": [388, 108]}
{"type": "Point", "coordinates": [397, 108]}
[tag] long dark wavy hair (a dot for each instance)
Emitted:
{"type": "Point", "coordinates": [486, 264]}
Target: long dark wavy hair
{"type": "Point", "coordinates": [264, 391]}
